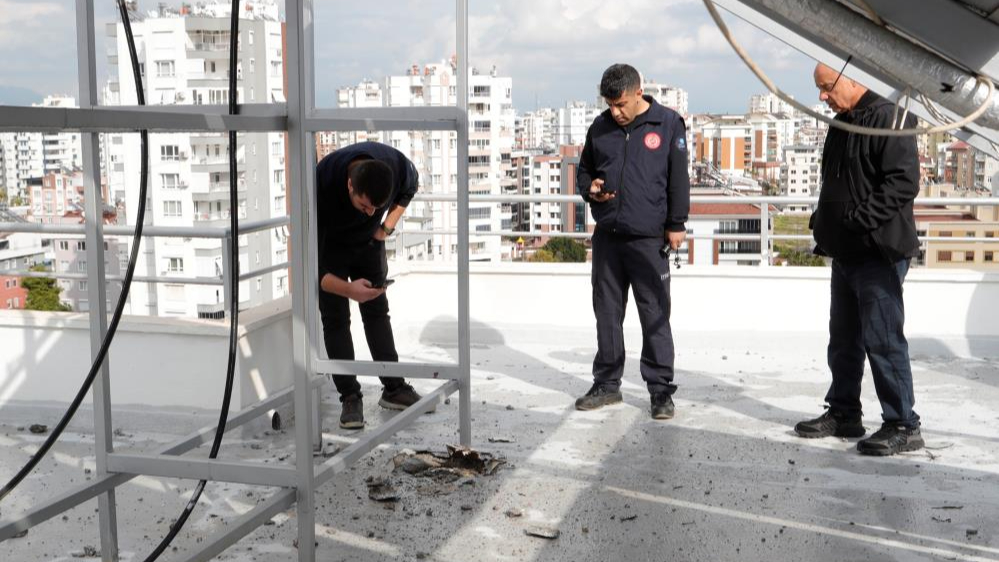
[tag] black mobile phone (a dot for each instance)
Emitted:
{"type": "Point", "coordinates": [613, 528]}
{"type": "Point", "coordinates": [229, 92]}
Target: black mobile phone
{"type": "Point", "coordinates": [383, 285]}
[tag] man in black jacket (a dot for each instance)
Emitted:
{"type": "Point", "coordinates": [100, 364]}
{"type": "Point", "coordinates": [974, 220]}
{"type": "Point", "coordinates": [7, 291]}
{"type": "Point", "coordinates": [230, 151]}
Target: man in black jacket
{"type": "Point", "coordinates": [355, 186]}
{"type": "Point", "coordinates": [864, 222]}
{"type": "Point", "coordinates": [633, 173]}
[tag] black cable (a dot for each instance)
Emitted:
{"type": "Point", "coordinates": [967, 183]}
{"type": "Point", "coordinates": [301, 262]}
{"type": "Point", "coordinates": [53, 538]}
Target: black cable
{"type": "Point", "coordinates": [126, 285]}
{"type": "Point", "coordinates": [234, 290]}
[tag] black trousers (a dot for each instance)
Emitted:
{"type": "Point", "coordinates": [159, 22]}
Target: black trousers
{"type": "Point", "coordinates": [620, 262]}
{"type": "Point", "coordinates": [867, 318]}
{"type": "Point", "coordinates": [362, 262]}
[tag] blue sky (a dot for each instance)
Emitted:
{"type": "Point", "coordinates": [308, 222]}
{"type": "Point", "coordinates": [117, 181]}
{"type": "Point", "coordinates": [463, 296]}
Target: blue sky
{"type": "Point", "coordinates": [555, 50]}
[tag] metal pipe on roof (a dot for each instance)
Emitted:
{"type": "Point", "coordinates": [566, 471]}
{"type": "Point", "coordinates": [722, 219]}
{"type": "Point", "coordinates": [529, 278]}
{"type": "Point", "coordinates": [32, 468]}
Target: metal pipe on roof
{"type": "Point", "coordinates": [888, 53]}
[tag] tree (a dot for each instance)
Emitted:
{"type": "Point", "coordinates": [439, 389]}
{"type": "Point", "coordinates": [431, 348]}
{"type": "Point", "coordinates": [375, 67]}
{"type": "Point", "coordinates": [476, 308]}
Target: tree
{"type": "Point", "coordinates": [542, 255]}
{"type": "Point", "coordinates": [565, 250]}
{"type": "Point", "coordinates": [797, 257]}
{"type": "Point", "coordinates": [43, 293]}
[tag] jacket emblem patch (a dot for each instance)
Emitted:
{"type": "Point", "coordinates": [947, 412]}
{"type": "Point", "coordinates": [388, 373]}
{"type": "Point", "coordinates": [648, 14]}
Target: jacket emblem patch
{"type": "Point", "coordinates": [653, 140]}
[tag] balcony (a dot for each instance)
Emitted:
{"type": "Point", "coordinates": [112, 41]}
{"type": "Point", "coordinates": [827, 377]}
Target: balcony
{"type": "Point", "coordinates": [748, 368]}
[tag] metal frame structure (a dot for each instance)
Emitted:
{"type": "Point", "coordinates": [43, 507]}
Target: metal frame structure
{"type": "Point", "coordinates": [301, 119]}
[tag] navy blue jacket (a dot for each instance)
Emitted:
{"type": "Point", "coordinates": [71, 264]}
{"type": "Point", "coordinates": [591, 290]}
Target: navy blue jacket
{"type": "Point", "coordinates": [340, 225]}
{"type": "Point", "coordinates": [645, 164]}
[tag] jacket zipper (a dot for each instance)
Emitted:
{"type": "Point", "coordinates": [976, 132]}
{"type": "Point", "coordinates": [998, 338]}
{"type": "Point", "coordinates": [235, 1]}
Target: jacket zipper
{"type": "Point", "coordinates": [620, 184]}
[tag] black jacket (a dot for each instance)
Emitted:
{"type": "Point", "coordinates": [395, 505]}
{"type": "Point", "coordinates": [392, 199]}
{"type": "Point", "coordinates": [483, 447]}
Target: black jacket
{"type": "Point", "coordinates": [340, 225]}
{"type": "Point", "coordinates": [645, 164]}
{"type": "Point", "coordinates": [868, 187]}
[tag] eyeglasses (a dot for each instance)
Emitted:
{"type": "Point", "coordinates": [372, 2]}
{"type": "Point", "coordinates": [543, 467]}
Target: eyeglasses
{"type": "Point", "coordinates": [831, 88]}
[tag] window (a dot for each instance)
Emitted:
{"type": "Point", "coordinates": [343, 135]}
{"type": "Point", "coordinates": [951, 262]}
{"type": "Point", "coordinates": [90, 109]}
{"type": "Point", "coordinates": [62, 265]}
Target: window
{"type": "Point", "coordinates": [82, 285]}
{"type": "Point", "coordinates": [969, 256]}
{"type": "Point", "coordinates": [175, 265]}
{"type": "Point", "coordinates": [943, 256]}
{"type": "Point", "coordinates": [81, 245]}
{"type": "Point", "coordinates": [164, 68]}
{"type": "Point", "coordinates": [64, 265]}
{"type": "Point", "coordinates": [64, 245]}
{"type": "Point", "coordinates": [279, 177]}
{"type": "Point", "coordinates": [988, 256]}
{"type": "Point", "coordinates": [481, 126]}
{"type": "Point", "coordinates": [170, 181]}
{"type": "Point", "coordinates": [170, 152]}
{"type": "Point", "coordinates": [81, 266]}
{"type": "Point", "coordinates": [279, 204]}
{"type": "Point", "coordinates": [171, 208]}
{"type": "Point", "coordinates": [277, 148]}
{"type": "Point", "coordinates": [945, 233]}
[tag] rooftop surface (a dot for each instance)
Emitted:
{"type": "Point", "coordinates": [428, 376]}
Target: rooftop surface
{"type": "Point", "coordinates": [725, 480]}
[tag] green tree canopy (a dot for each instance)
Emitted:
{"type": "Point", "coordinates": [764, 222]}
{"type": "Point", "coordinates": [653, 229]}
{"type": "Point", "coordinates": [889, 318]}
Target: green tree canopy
{"type": "Point", "coordinates": [565, 250]}
{"type": "Point", "coordinates": [43, 293]}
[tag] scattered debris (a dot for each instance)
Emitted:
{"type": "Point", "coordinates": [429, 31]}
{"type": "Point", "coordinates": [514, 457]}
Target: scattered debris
{"type": "Point", "coordinates": [501, 440]}
{"type": "Point", "coordinates": [939, 520]}
{"type": "Point", "coordinates": [88, 552]}
{"type": "Point", "coordinates": [509, 407]}
{"type": "Point", "coordinates": [295, 543]}
{"type": "Point", "coordinates": [329, 450]}
{"type": "Point", "coordinates": [629, 517]}
{"type": "Point", "coordinates": [38, 428]}
{"type": "Point", "coordinates": [949, 507]}
{"type": "Point", "coordinates": [23, 533]}
{"type": "Point", "coordinates": [971, 532]}
{"type": "Point", "coordinates": [458, 462]}
{"type": "Point", "coordinates": [514, 512]}
{"type": "Point", "coordinates": [118, 432]}
{"type": "Point", "coordinates": [543, 532]}
{"type": "Point", "coordinates": [382, 490]}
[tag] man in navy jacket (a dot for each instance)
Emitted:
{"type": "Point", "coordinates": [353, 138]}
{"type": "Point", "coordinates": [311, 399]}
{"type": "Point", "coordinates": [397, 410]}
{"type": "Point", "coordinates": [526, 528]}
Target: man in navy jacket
{"type": "Point", "coordinates": [633, 173]}
{"type": "Point", "coordinates": [362, 191]}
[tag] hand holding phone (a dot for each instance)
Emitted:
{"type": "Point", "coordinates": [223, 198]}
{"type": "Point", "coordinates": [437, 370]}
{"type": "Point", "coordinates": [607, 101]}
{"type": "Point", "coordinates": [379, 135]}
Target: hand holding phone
{"type": "Point", "coordinates": [383, 285]}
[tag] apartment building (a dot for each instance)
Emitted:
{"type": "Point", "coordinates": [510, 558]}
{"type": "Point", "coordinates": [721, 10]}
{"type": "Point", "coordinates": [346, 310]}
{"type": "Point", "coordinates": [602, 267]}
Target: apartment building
{"type": "Point", "coordinates": [184, 60]}
{"type": "Point", "coordinates": [801, 174]}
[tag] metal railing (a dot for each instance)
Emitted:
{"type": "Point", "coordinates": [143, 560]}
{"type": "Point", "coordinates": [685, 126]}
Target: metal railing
{"type": "Point", "coordinates": [221, 233]}
{"type": "Point", "coordinates": [764, 235]}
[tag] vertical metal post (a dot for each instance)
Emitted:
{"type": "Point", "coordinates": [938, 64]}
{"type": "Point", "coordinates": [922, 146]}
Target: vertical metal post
{"type": "Point", "coordinates": [301, 182]}
{"type": "Point", "coordinates": [464, 324]}
{"type": "Point", "coordinates": [765, 253]}
{"type": "Point", "coordinates": [226, 260]}
{"type": "Point", "coordinates": [96, 289]}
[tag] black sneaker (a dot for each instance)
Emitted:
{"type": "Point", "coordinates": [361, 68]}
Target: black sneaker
{"type": "Point", "coordinates": [352, 414]}
{"type": "Point", "coordinates": [831, 423]}
{"type": "Point", "coordinates": [890, 439]}
{"type": "Point", "coordinates": [400, 398]}
{"type": "Point", "coordinates": [662, 406]}
{"type": "Point", "coordinates": [598, 397]}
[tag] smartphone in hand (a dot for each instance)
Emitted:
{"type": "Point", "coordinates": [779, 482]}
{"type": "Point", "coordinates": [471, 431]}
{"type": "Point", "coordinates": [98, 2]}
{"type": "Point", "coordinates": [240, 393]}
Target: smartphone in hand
{"type": "Point", "coordinates": [383, 285]}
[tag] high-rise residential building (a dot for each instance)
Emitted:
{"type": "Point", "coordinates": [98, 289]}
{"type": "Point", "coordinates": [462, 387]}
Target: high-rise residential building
{"type": "Point", "coordinates": [801, 174]}
{"type": "Point", "coordinates": [184, 59]}
{"type": "Point", "coordinates": [725, 143]}
{"type": "Point", "coordinates": [671, 96]}
{"type": "Point", "coordinates": [53, 196]}
{"type": "Point", "coordinates": [491, 139]}
{"type": "Point", "coordinates": [574, 120]}
{"type": "Point", "coordinates": [539, 130]}
{"type": "Point", "coordinates": [770, 104]}
{"type": "Point", "coordinates": [22, 159]}
{"type": "Point", "coordinates": [26, 156]}
{"type": "Point", "coordinates": [771, 133]}
{"type": "Point", "coordinates": [61, 151]}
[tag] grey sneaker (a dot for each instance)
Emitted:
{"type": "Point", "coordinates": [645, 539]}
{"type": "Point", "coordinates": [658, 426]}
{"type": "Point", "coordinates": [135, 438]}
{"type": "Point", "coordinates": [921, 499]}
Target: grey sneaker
{"type": "Point", "coordinates": [400, 398]}
{"type": "Point", "coordinates": [352, 414]}
{"type": "Point", "coordinates": [598, 397]}
{"type": "Point", "coordinates": [890, 439]}
{"type": "Point", "coordinates": [831, 423]}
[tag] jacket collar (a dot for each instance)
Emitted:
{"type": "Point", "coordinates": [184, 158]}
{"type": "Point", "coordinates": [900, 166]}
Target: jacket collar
{"type": "Point", "coordinates": [866, 101]}
{"type": "Point", "coordinates": [654, 114]}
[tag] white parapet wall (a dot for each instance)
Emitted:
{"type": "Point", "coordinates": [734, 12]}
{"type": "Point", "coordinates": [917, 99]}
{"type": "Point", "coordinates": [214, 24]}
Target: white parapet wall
{"type": "Point", "coordinates": [44, 356]}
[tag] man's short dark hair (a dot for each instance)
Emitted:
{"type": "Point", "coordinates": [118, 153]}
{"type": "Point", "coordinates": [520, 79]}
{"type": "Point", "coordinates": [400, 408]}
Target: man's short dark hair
{"type": "Point", "coordinates": [618, 79]}
{"type": "Point", "coordinates": [373, 178]}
